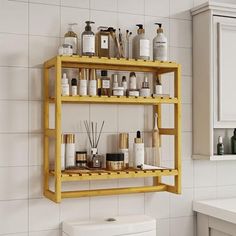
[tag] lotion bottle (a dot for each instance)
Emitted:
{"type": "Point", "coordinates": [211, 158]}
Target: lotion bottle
{"type": "Point", "coordinates": [141, 45]}
{"type": "Point", "coordinates": [71, 38]}
{"type": "Point", "coordinates": [138, 151]}
{"type": "Point", "coordinates": [65, 91]}
{"type": "Point", "coordinates": [88, 40]}
{"type": "Point", "coordinates": [160, 45]}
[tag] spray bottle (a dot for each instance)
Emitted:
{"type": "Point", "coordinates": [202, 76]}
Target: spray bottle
{"type": "Point", "coordinates": [141, 45]}
{"type": "Point", "coordinates": [160, 45]}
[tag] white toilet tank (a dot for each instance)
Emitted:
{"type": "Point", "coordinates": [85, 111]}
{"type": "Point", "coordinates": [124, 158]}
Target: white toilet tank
{"type": "Point", "coordinates": [133, 225]}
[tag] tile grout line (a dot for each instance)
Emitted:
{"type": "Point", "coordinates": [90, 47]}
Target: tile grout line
{"type": "Point", "coordinates": [28, 119]}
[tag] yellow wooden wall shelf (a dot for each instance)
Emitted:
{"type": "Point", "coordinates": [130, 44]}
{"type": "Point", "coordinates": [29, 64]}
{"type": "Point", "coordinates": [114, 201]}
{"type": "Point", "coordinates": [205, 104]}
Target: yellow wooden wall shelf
{"type": "Point", "coordinates": [59, 176]}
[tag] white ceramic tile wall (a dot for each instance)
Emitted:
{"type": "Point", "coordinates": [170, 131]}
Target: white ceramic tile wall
{"type": "Point", "coordinates": [29, 38]}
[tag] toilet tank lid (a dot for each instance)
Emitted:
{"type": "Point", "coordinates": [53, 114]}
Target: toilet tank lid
{"type": "Point", "coordinates": [113, 226]}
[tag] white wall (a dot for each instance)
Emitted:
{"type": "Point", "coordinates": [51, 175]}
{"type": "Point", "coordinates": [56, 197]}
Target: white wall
{"type": "Point", "coordinates": [29, 34]}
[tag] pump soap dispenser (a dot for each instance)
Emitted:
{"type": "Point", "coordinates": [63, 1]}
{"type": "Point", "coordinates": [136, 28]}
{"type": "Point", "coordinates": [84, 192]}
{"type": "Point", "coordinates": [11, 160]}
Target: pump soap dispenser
{"type": "Point", "coordinates": [71, 38]}
{"type": "Point", "coordinates": [160, 45]}
{"type": "Point", "coordinates": [88, 40]}
{"type": "Point", "coordinates": [141, 45]}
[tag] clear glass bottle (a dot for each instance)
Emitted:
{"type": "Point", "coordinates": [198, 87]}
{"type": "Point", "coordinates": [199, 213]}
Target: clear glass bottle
{"type": "Point", "coordinates": [105, 84]}
{"type": "Point", "coordinates": [71, 38]}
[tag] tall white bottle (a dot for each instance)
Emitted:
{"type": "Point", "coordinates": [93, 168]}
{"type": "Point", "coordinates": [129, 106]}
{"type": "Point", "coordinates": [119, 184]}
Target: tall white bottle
{"type": "Point", "coordinates": [70, 150]}
{"type": "Point", "coordinates": [138, 151]}
{"type": "Point", "coordinates": [160, 45]}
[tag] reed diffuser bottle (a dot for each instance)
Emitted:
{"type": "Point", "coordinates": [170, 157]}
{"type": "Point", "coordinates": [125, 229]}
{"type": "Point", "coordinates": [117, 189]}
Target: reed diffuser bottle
{"type": "Point", "coordinates": [94, 160]}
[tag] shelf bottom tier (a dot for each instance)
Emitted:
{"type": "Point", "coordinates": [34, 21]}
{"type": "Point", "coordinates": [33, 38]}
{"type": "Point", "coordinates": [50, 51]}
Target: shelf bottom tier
{"type": "Point", "coordinates": [76, 175]}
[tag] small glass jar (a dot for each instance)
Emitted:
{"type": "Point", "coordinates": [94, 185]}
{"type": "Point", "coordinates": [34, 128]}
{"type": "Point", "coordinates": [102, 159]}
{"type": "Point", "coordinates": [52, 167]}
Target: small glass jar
{"type": "Point", "coordinates": [115, 161]}
{"type": "Point", "coordinates": [67, 49]}
{"type": "Point", "coordinates": [119, 91]}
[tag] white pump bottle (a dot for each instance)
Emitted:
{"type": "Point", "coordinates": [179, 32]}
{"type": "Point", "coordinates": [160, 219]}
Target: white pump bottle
{"type": "Point", "coordinates": [160, 45]}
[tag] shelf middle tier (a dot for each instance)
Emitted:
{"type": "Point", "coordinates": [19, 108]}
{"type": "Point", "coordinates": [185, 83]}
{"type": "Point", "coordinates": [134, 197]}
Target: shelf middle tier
{"type": "Point", "coordinates": [119, 100]}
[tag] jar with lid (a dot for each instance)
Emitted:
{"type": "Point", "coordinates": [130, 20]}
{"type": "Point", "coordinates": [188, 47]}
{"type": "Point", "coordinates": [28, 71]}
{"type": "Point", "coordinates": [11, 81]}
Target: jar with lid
{"type": "Point", "coordinates": [67, 49]}
{"type": "Point", "coordinates": [115, 161]}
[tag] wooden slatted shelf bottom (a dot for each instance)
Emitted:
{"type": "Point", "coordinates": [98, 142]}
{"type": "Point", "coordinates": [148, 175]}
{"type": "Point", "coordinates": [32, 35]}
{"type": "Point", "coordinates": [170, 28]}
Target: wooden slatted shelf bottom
{"type": "Point", "coordinates": [117, 100]}
{"type": "Point", "coordinates": [105, 174]}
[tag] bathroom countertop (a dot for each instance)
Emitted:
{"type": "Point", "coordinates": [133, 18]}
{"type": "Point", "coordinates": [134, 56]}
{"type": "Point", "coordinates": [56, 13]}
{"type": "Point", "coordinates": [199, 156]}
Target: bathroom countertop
{"type": "Point", "coordinates": [224, 209]}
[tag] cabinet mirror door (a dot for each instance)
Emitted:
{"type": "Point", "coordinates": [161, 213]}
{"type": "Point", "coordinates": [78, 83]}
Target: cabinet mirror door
{"type": "Point", "coordinates": [224, 54]}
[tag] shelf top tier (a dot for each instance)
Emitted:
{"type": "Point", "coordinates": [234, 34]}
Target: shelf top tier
{"type": "Point", "coordinates": [121, 64]}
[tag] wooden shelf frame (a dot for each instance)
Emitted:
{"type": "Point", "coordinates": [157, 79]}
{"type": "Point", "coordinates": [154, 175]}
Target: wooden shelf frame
{"type": "Point", "coordinates": [59, 177]}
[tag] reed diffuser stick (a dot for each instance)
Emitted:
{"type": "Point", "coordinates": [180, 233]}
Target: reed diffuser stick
{"type": "Point", "coordinates": [100, 133]}
{"type": "Point", "coordinates": [92, 132]}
